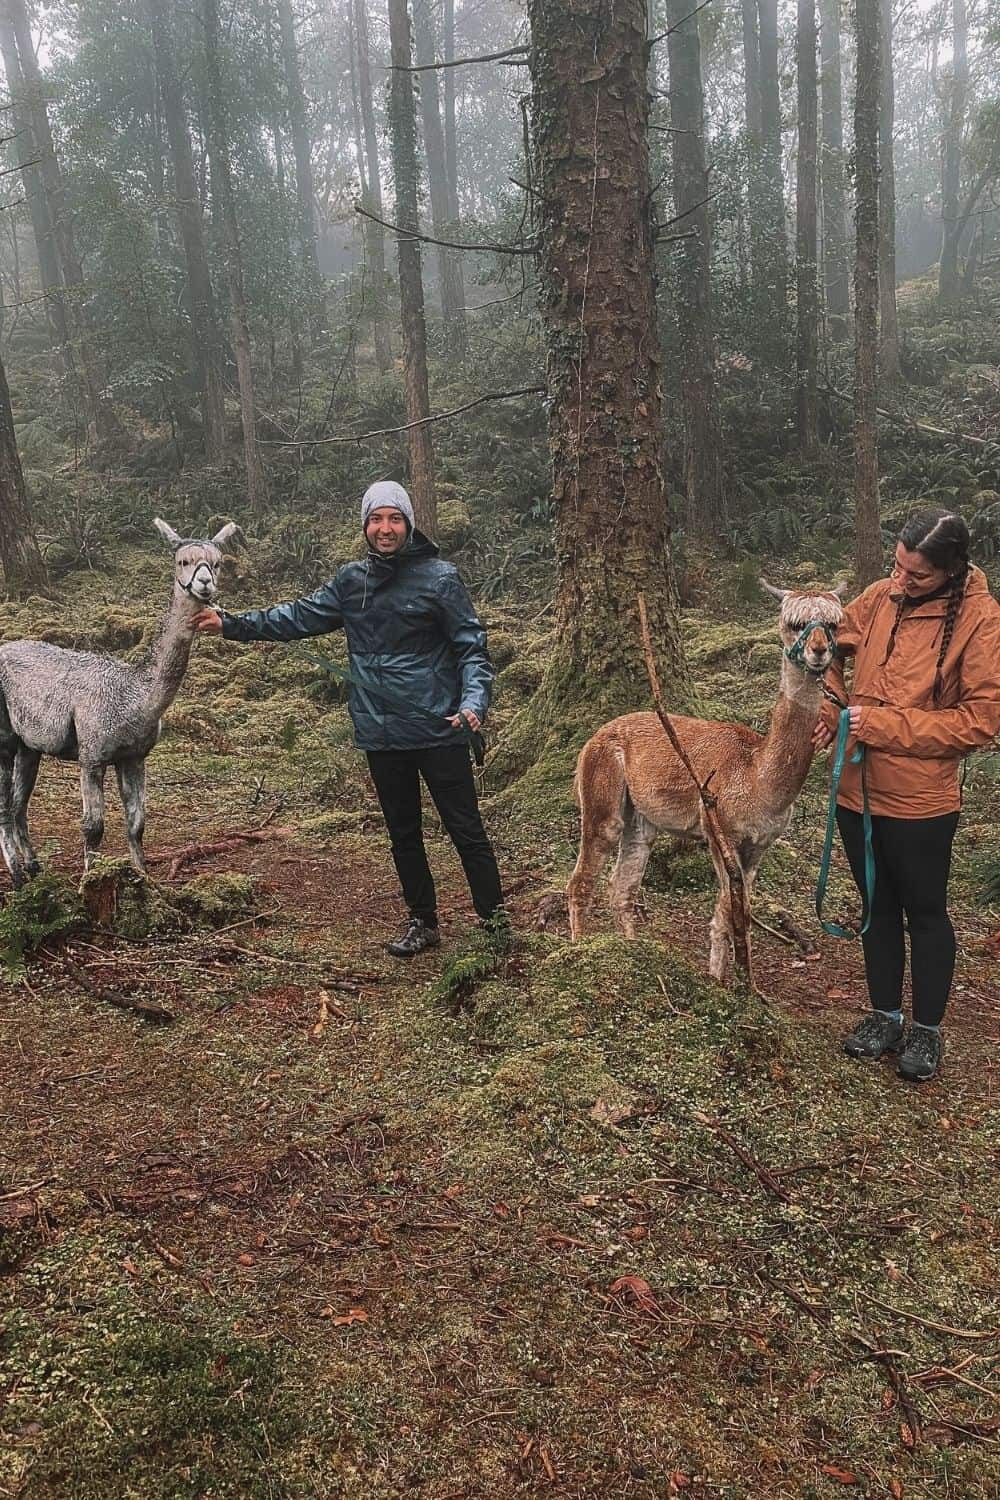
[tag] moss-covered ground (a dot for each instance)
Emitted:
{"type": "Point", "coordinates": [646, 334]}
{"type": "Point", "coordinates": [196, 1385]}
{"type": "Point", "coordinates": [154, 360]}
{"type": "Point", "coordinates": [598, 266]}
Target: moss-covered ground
{"type": "Point", "coordinates": [589, 1227]}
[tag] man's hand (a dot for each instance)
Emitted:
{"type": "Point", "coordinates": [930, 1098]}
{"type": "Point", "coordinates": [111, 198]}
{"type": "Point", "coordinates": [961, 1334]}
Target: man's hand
{"type": "Point", "coordinates": [465, 716]}
{"type": "Point", "coordinates": [210, 620]}
{"type": "Point", "coordinates": [823, 736]}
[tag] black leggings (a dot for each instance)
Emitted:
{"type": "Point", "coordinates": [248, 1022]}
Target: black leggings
{"type": "Point", "coordinates": [447, 771]}
{"type": "Point", "coordinates": [912, 861]}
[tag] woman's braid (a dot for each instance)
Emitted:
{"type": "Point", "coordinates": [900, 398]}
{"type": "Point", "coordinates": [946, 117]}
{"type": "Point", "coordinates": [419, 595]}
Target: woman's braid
{"type": "Point", "coordinates": [954, 605]}
{"type": "Point", "coordinates": [891, 644]}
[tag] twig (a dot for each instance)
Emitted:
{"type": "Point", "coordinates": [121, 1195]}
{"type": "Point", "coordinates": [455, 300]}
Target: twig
{"type": "Point", "coordinates": [677, 26]}
{"type": "Point", "coordinates": [440, 416]}
{"type": "Point", "coordinates": [461, 62]}
{"type": "Point", "coordinates": [781, 936]}
{"type": "Point", "coordinates": [913, 424]}
{"type": "Point", "coordinates": [734, 874]}
{"type": "Point", "coordinates": [955, 1333]}
{"type": "Point", "coordinates": [897, 1380]}
{"type": "Point", "coordinates": [426, 239]}
{"type": "Point", "coordinates": [766, 1178]}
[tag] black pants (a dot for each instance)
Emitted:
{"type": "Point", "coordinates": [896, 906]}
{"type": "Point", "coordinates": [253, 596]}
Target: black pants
{"type": "Point", "coordinates": [912, 862]}
{"type": "Point", "coordinates": [447, 772]}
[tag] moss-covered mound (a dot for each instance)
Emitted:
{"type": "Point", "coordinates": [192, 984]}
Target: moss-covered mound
{"type": "Point", "coordinates": [217, 900]}
{"type": "Point", "coordinates": [46, 907]}
{"type": "Point", "coordinates": [117, 898]}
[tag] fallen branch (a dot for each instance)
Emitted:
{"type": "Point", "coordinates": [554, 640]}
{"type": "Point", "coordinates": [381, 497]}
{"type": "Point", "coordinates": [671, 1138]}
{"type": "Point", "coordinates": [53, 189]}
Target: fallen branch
{"type": "Point", "coordinates": [734, 874]}
{"type": "Point", "coordinates": [236, 836]}
{"type": "Point", "coordinates": [440, 416]}
{"type": "Point", "coordinates": [913, 424]}
{"type": "Point", "coordinates": [898, 1382]}
{"type": "Point", "coordinates": [955, 1333]}
{"type": "Point", "coordinates": [144, 1008]}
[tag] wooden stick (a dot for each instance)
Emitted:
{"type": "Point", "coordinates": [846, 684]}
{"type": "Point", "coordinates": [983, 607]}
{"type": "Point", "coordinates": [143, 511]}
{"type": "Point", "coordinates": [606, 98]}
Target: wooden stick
{"type": "Point", "coordinates": [766, 1178]}
{"type": "Point", "coordinates": [144, 1008]}
{"type": "Point", "coordinates": [734, 874]}
{"type": "Point", "coordinates": [438, 416]}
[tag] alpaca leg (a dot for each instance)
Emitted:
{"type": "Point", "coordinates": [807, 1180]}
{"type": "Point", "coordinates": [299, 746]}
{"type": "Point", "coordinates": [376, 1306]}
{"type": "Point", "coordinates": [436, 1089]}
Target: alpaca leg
{"type": "Point", "coordinates": [26, 766]}
{"type": "Point", "coordinates": [600, 794]}
{"type": "Point", "coordinates": [8, 838]}
{"type": "Point", "coordinates": [131, 776]}
{"type": "Point", "coordinates": [626, 877]}
{"type": "Point", "coordinates": [92, 793]}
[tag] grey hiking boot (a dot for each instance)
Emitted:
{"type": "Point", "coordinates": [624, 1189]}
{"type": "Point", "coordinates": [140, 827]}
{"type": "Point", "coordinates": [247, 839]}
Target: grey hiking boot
{"type": "Point", "coordinates": [417, 937]}
{"type": "Point", "coordinates": [876, 1034]}
{"type": "Point", "coordinates": [921, 1055]}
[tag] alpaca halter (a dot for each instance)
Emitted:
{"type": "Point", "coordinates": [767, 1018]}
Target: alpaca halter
{"type": "Point", "coordinates": [796, 651]}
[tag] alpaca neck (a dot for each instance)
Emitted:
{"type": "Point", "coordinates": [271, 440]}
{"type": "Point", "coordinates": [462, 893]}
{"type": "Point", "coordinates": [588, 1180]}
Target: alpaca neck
{"type": "Point", "coordinates": [168, 658]}
{"type": "Point", "coordinates": [783, 760]}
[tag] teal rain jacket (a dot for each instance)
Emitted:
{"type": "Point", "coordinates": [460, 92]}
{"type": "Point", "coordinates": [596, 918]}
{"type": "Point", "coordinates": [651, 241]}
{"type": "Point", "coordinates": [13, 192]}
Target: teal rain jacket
{"type": "Point", "coordinates": [411, 628]}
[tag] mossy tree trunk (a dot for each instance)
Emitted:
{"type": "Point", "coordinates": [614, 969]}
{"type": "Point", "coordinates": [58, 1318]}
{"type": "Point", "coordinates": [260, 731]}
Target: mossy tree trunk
{"type": "Point", "coordinates": [868, 537]}
{"type": "Point", "coordinates": [952, 222]}
{"type": "Point", "coordinates": [889, 365]}
{"type": "Point", "coordinates": [23, 569]}
{"type": "Point", "coordinates": [703, 476]}
{"type": "Point", "coordinates": [449, 261]}
{"type": "Point", "coordinates": [372, 193]}
{"type": "Point", "coordinates": [589, 117]}
{"type": "Point", "coordinates": [768, 215]}
{"type": "Point", "coordinates": [305, 192]}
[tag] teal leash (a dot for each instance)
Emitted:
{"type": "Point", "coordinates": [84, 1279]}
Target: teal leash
{"type": "Point", "coordinates": [858, 758]}
{"type": "Point", "coordinates": [396, 700]}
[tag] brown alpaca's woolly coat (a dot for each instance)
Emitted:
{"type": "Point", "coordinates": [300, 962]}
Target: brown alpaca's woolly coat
{"type": "Point", "coordinates": [914, 744]}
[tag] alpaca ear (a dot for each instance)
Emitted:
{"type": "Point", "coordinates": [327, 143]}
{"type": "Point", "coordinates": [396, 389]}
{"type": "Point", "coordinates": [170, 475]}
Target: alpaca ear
{"type": "Point", "coordinates": [220, 538]}
{"type": "Point", "coordinates": [842, 589]}
{"type": "Point", "coordinates": [769, 588]}
{"type": "Point", "coordinates": [168, 533]}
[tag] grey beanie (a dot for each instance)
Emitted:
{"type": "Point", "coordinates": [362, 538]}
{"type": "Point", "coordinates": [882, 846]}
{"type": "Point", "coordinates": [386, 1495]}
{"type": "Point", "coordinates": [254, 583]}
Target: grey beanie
{"type": "Point", "coordinates": [386, 492]}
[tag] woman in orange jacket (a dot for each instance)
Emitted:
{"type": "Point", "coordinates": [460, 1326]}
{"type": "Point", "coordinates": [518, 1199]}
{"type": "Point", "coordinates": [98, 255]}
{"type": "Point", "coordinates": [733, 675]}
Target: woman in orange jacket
{"type": "Point", "coordinates": [925, 690]}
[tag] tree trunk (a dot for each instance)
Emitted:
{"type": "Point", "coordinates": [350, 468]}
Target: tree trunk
{"type": "Point", "coordinates": [305, 194]}
{"type": "Point", "coordinates": [450, 136]}
{"type": "Point", "coordinates": [868, 537]}
{"type": "Point", "coordinates": [100, 418]}
{"type": "Point", "coordinates": [590, 109]}
{"type": "Point", "coordinates": [449, 261]}
{"type": "Point", "coordinates": [949, 286]}
{"type": "Point", "coordinates": [374, 233]}
{"type": "Point", "coordinates": [703, 476]}
{"type": "Point", "coordinates": [49, 273]}
{"type": "Point", "coordinates": [206, 344]}
{"type": "Point", "coordinates": [835, 257]}
{"type": "Point", "coordinates": [889, 366]}
{"type": "Point", "coordinates": [770, 215]}
{"type": "Point", "coordinates": [751, 70]}
{"type": "Point", "coordinates": [806, 241]}
{"type": "Point", "coordinates": [403, 132]}
{"type": "Point", "coordinates": [23, 569]}
{"type": "Point", "coordinates": [222, 188]}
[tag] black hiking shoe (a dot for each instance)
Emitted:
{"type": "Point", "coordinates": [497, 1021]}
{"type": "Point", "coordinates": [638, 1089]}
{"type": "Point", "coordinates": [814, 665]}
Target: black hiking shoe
{"type": "Point", "coordinates": [876, 1034]}
{"type": "Point", "coordinates": [417, 937]}
{"type": "Point", "coordinates": [921, 1055]}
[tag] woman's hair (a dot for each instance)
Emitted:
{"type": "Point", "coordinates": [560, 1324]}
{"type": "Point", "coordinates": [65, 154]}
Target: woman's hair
{"type": "Point", "coordinates": [943, 538]}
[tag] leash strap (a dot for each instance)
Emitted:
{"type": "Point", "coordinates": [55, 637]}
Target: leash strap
{"type": "Point", "coordinates": [858, 758]}
{"type": "Point", "coordinates": [475, 740]}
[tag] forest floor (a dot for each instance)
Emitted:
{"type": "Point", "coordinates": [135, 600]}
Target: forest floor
{"type": "Point", "coordinates": [593, 1227]}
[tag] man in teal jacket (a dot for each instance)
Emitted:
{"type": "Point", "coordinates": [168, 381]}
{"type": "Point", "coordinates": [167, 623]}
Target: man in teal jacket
{"type": "Point", "coordinates": [412, 634]}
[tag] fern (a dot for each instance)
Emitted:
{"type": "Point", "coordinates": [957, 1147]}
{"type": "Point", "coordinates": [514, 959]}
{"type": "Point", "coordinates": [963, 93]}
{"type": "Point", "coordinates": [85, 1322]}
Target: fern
{"type": "Point", "coordinates": [478, 961]}
{"type": "Point", "coordinates": [43, 909]}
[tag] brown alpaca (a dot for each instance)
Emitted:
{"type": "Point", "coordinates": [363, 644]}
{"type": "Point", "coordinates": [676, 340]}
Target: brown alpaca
{"type": "Point", "coordinates": [630, 784]}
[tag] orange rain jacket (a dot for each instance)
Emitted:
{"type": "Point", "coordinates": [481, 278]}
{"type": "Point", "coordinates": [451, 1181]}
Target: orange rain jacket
{"type": "Point", "coordinates": [913, 744]}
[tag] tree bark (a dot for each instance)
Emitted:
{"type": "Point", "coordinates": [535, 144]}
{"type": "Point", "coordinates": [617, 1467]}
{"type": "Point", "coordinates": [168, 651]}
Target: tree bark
{"type": "Point", "coordinates": [703, 474]}
{"type": "Point", "coordinates": [770, 214]}
{"type": "Point", "coordinates": [751, 70]}
{"type": "Point", "coordinates": [449, 261]}
{"type": "Point", "coordinates": [590, 109]}
{"type": "Point", "coordinates": [305, 193]}
{"type": "Point", "coordinates": [222, 189]}
{"type": "Point", "coordinates": [206, 344]}
{"type": "Point", "coordinates": [403, 131]}
{"type": "Point", "coordinates": [23, 569]}
{"type": "Point", "coordinates": [949, 285]}
{"type": "Point", "coordinates": [868, 537]}
{"type": "Point", "coordinates": [100, 418]}
{"type": "Point", "coordinates": [835, 257]}
{"type": "Point", "coordinates": [806, 239]}
{"type": "Point", "coordinates": [889, 366]}
{"type": "Point", "coordinates": [374, 233]}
